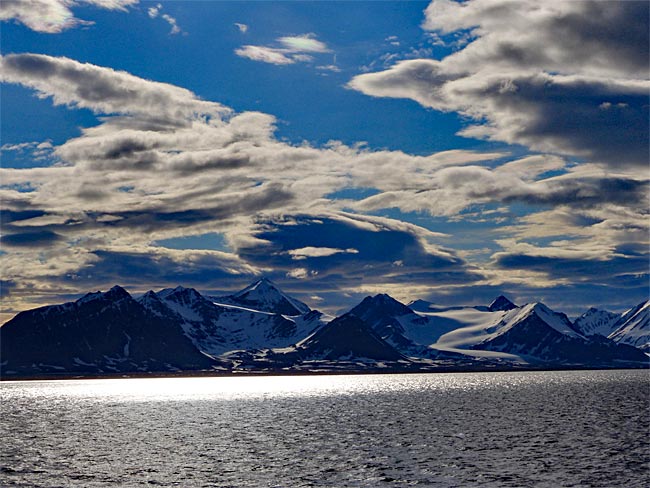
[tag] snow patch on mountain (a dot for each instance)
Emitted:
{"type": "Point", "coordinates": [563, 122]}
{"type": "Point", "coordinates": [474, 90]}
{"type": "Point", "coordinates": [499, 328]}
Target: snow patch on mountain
{"type": "Point", "coordinates": [596, 322]}
{"type": "Point", "coordinates": [634, 327]}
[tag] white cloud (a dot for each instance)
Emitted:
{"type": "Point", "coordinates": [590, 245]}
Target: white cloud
{"type": "Point", "coordinates": [104, 90]}
{"type": "Point", "coordinates": [304, 43]}
{"type": "Point", "coordinates": [291, 49]}
{"type": "Point", "coordinates": [318, 252]}
{"type": "Point", "coordinates": [154, 11]}
{"type": "Point", "coordinates": [53, 16]}
{"type": "Point", "coordinates": [329, 67]}
{"type": "Point", "coordinates": [172, 22]}
{"type": "Point", "coordinates": [243, 28]}
{"type": "Point", "coordinates": [264, 54]}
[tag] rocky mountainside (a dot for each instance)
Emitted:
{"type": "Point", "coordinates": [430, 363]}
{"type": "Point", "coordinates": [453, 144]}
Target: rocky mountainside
{"type": "Point", "coordinates": [99, 333]}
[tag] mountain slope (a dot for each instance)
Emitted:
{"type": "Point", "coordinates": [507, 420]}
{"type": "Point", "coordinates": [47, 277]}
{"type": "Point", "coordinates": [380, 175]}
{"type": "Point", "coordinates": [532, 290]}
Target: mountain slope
{"type": "Point", "coordinates": [219, 328]}
{"type": "Point", "coordinates": [347, 337]}
{"type": "Point", "coordinates": [99, 333]}
{"type": "Point", "coordinates": [410, 333]}
{"type": "Point", "coordinates": [633, 327]}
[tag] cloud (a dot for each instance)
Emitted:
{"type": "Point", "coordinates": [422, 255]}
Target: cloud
{"type": "Point", "coordinates": [265, 54]}
{"type": "Point", "coordinates": [316, 252]}
{"type": "Point", "coordinates": [53, 16]}
{"type": "Point", "coordinates": [340, 250]}
{"type": "Point", "coordinates": [304, 43]}
{"type": "Point", "coordinates": [291, 50]}
{"type": "Point", "coordinates": [538, 75]}
{"type": "Point", "coordinates": [243, 28]}
{"type": "Point", "coordinates": [155, 11]}
{"type": "Point", "coordinates": [104, 90]}
{"type": "Point", "coordinates": [161, 164]}
{"type": "Point", "coordinates": [585, 37]}
{"type": "Point", "coordinates": [329, 67]}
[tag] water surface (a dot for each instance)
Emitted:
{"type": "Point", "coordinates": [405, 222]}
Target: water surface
{"type": "Point", "coordinates": [523, 429]}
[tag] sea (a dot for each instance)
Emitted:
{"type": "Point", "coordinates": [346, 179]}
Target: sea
{"type": "Point", "coordinates": [519, 429]}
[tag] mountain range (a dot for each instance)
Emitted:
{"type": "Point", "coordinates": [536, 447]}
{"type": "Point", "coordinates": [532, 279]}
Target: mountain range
{"type": "Point", "coordinates": [262, 329]}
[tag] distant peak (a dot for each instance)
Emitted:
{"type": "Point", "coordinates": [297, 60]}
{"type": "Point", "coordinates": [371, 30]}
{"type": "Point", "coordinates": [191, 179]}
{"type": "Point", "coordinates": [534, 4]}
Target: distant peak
{"type": "Point", "coordinates": [150, 295]}
{"type": "Point", "coordinates": [179, 291]}
{"type": "Point", "coordinates": [383, 298]}
{"type": "Point", "coordinates": [262, 284]}
{"type": "Point", "coordinates": [501, 304]}
{"type": "Point", "coordinates": [115, 293]}
{"type": "Point", "coordinates": [381, 304]}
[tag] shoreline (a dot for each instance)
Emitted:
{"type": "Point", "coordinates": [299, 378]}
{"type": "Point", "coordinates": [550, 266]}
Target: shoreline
{"type": "Point", "coordinates": [234, 374]}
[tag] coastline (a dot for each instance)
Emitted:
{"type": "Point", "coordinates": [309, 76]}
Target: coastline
{"type": "Point", "coordinates": [243, 373]}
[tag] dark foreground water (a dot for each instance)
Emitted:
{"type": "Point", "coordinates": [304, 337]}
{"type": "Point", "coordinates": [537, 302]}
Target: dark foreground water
{"type": "Point", "coordinates": [541, 429]}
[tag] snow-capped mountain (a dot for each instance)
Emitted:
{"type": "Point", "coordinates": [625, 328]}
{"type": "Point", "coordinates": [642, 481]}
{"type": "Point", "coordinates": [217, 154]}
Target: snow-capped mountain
{"type": "Point", "coordinates": [594, 321]}
{"type": "Point", "coordinates": [409, 332]}
{"type": "Point", "coordinates": [216, 328]}
{"type": "Point", "coordinates": [178, 329]}
{"type": "Point", "coordinates": [265, 296]}
{"type": "Point", "coordinates": [633, 328]}
{"type": "Point", "coordinates": [99, 333]}
{"type": "Point", "coordinates": [538, 333]}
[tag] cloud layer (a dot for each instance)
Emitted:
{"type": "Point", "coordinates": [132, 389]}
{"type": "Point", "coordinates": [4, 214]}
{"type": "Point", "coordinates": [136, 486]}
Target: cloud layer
{"type": "Point", "coordinates": [161, 163]}
{"type": "Point", "coordinates": [563, 77]}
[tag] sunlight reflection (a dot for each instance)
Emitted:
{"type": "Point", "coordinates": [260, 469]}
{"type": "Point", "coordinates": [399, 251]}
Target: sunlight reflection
{"type": "Point", "coordinates": [261, 387]}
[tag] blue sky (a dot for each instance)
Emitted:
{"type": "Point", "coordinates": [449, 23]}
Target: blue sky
{"type": "Point", "coordinates": [430, 150]}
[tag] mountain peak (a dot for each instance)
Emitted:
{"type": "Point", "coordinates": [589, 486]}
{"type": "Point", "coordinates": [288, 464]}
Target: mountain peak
{"type": "Point", "coordinates": [266, 296]}
{"type": "Point", "coordinates": [114, 294]}
{"type": "Point", "coordinates": [381, 305]}
{"type": "Point", "coordinates": [348, 336]}
{"type": "Point", "coordinates": [263, 285]}
{"type": "Point", "coordinates": [558, 321]}
{"type": "Point", "coordinates": [117, 293]}
{"type": "Point", "coordinates": [501, 304]}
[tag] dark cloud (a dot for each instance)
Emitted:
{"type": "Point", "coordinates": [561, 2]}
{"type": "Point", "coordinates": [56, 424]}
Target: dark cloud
{"type": "Point", "coordinates": [563, 77]}
{"type": "Point", "coordinates": [598, 120]}
{"type": "Point", "coordinates": [149, 270]}
{"type": "Point", "coordinates": [6, 286]}
{"type": "Point", "coordinates": [329, 253]}
{"type": "Point", "coordinates": [597, 271]}
{"type": "Point", "coordinates": [586, 193]}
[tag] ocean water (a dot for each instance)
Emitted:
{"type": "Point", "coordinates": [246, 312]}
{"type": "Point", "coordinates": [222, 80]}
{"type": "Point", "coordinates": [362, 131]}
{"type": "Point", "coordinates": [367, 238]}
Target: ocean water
{"type": "Point", "coordinates": [523, 429]}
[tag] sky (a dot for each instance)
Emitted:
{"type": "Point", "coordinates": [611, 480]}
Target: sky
{"type": "Point", "coordinates": [435, 150]}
